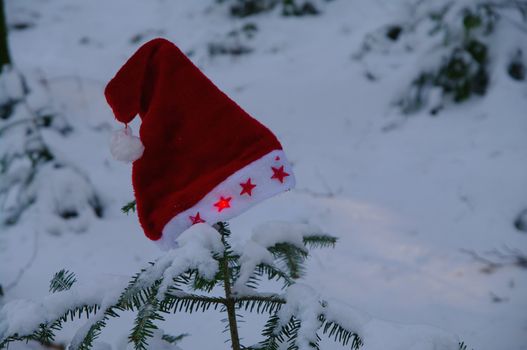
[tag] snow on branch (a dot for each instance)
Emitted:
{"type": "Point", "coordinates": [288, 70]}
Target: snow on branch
{"type": "Point", "coordinates": [305, 314]}
{"type": "Point", "coordinates": [22, 317]}
{"type": "Point", "coordinates": [197, 247]}
{"type": "Point", "coordinates": [274, 244]}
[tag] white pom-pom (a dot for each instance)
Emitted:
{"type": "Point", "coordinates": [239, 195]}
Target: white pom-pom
{"type": "Point", "coordinates": [126, 147]}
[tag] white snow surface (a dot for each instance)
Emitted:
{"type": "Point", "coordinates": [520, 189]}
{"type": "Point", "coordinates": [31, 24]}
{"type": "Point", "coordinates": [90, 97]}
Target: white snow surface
{"type": "Point", "coordinates": [405, 195]}
{"type": "Point", "coordinates": [269, 233]}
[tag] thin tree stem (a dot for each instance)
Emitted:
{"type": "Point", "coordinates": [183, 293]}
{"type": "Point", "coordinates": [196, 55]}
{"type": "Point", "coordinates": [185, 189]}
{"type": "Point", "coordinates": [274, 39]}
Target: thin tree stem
{"type": "Point", "coordinates": [230, 302]}
{"type": "Point", "coordinates": [231, 312]}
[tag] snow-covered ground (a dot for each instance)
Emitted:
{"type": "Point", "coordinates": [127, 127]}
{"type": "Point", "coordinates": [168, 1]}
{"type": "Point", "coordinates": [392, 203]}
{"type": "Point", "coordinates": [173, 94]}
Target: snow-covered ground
{"type": "Point", "coordinates": [408, 196]}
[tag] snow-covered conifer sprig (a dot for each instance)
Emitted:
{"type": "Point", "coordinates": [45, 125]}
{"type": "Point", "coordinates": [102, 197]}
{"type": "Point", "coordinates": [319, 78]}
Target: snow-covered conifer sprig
{"type": "Point", "coordinates": [32, 172]}
{"type": "Point", "coordinates": [62, 280]}
{"type": "Point", "coordinates": [300, 319]}
{"type": "Point", "coordinates": [41, 319]}
{"type": "Point", "coordinates": [172, 284]}
{"type": "Point", "coordinates": [129, 207]}
{"type": "Point", "coordinates": [184, 281]}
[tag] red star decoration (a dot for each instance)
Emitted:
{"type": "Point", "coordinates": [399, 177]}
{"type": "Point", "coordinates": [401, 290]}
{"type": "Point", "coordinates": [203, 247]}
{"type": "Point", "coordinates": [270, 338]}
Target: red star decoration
{"type": "Point", "coordinates": [247, 187]}
{"type": "Point", "coordinates": [279, 173]}
{"type": "Point", "coordinates": [223, 203]}
{"type": "Point", "coordinates": [196, 219]}
{"type": "Point", "coordinates": [277, 158]}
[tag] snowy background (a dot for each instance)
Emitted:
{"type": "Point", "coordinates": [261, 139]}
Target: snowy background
{"type": "Point", "coordinates": [423, 205]}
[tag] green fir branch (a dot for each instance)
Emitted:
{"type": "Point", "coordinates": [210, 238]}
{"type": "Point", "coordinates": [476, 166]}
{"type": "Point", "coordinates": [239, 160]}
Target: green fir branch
{"type": "Point", "coordinates": [137, 292]}
{"type": "Point", "coordinates": [147, 314]}
{"type": "Point", "coordinates": [320, 241]}
{"type": "Point", "coordinates": [45, 334]}
{"type": "Point", "coordinates": [13, 338]}
{"type": "Point", "coordinates": [290, 333]}
{"type": "Point", "coordinates": [273, 273]}
{"type": "Point", "coordinates": [129, 207]}
{"type": "Point", "coordinates": [141, 296]}
{"type": "Point", "coordinates": [201, 283]}
{"type": "Point", "coordinates": [95, 329]}
{"type": "Point", "coordinates": [270, 331]}
{"type": "Point", "coordinates": [260, 303]}
{"type": "Point", "coordinates": [463, 346]}
{"type": "Point", "coordinates": [291, 256]}
{"type": "Point", "coordinates": [62, 280]}
{"type": "Point", "coordinates": [174, 339]}
{"type": "Point", "coordinates": [340, 334]}
{"type": "Point", "coordinates": [190, 303]}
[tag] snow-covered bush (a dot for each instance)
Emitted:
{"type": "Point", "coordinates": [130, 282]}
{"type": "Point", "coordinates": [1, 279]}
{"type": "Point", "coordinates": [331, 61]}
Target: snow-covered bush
{"type": "Point", "coordinates": [459, 47]}
{"type": "Point", "coordinates": [517, 66]}
{"type": "Point", "coordinates": [521, 221]}
{"type": "Point", "coordinates": [235, 43]}
{"type": "Point", "coordinates": [463, 70]}
{"type": "Point", "coordinates": [31, 173]}
{"type": "Point", "coordinates": [245, 8]}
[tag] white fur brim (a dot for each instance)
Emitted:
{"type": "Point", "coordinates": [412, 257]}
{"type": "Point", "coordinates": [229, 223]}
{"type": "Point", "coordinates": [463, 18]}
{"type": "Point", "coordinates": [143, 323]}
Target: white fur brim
{"type": "Point", "coordinates": [261, 174]}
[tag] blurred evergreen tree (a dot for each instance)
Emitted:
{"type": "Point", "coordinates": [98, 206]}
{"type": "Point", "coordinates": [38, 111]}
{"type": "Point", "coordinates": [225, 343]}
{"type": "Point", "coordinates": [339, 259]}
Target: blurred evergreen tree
{"type": "Point", "coordinates": [246, 8]}
{"type": "Point", "coordinates": [5, 58]}
{"type": "Point", "coordinates": [25, 155]}
{"type": "Point", "coordinates": [459, 45]}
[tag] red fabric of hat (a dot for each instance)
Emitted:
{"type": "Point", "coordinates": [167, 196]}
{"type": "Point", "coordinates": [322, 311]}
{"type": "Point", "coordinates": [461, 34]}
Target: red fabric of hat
{"type": "Point", "coordinates": [205, 159]}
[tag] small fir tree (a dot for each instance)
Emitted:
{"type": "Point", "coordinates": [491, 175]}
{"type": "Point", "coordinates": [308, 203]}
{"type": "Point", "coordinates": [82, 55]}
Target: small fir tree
{"type": "Point", "coordinates": [185, 281]}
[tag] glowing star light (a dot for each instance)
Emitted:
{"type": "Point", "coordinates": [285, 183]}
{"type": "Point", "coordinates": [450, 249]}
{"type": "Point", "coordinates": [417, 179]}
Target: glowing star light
{"type": "Point", "coordinates": [247, 187]}
{"type": "Point", "coordinates": [279, 174]}
{"type": "Point", "coordinates": [196, 219]}
{"type": "Point", "coordinates": [223, 203]}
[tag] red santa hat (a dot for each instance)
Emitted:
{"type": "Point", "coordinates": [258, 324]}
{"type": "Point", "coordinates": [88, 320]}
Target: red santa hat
{"type": "Point", "coordinates": [200, 157]}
